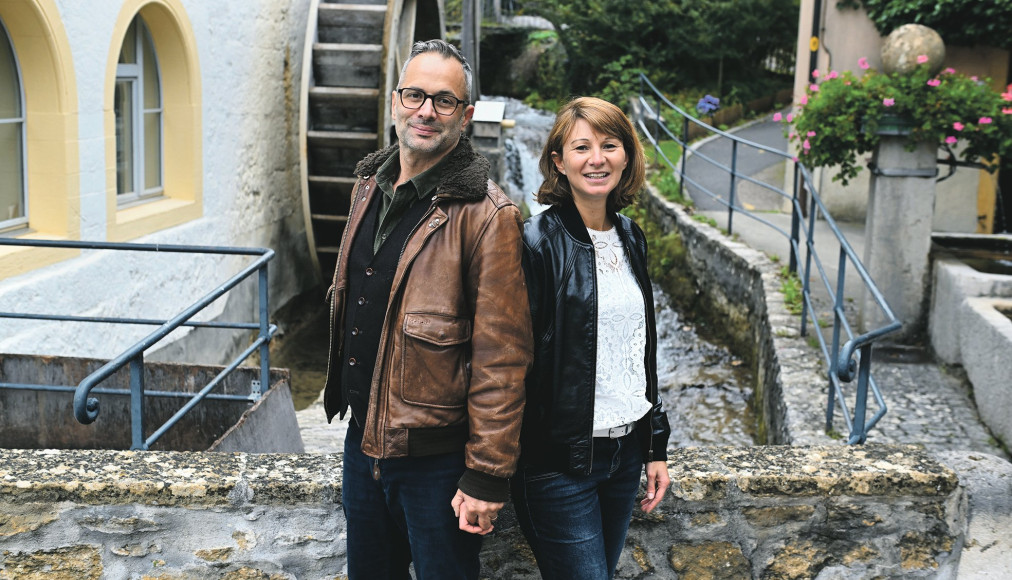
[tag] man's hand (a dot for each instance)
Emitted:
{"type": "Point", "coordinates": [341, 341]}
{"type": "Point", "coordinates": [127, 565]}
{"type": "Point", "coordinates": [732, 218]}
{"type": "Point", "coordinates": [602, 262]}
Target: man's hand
{"type": "Point", "coordinates": [657, 483]}
{"type": "Point", "coordinates": [475, 516]}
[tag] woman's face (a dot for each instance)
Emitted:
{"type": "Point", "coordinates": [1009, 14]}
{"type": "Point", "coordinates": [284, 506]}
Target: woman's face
{"type": "Point", "coordinates": [592, 162]}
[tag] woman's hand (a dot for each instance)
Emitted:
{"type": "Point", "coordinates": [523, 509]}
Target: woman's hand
{"type": "Point", "coordinates": [657, 483]}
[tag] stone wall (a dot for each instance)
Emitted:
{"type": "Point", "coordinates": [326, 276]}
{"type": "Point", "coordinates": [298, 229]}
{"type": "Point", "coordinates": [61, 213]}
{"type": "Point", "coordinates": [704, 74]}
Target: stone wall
{"type": "Point", "coordinates": [762, 512]}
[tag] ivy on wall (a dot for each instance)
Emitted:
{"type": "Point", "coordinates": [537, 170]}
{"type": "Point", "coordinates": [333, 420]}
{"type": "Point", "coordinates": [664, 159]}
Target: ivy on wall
{"type": "Point", "coordinates": [959, 22]}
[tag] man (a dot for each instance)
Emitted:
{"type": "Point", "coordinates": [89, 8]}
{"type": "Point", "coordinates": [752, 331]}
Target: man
{"type": "Point", "coordinates": [430, 337]}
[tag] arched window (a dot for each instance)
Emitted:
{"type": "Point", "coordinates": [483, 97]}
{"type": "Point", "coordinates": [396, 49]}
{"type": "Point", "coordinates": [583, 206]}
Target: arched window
{"type": "Point", "coordinates": [13, 197]}
{"type": "Point", "coordinates": [138, 110]}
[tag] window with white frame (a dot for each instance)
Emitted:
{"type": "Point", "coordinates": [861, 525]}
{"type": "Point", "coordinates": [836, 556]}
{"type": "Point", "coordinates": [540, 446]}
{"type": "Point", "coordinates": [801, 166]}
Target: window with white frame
{"type": "Point", "coordinates": [13, 197]}
{"type": "Point", "coordinates": [138, 110]}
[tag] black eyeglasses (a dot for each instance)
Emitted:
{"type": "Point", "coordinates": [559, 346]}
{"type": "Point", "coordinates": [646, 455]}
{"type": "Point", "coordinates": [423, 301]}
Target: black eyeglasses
{"type": "Point", "coordinates": [443, 104]}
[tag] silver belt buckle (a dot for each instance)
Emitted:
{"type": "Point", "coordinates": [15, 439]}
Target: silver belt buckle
{"type": "Point", "coordinates": [620, 431]}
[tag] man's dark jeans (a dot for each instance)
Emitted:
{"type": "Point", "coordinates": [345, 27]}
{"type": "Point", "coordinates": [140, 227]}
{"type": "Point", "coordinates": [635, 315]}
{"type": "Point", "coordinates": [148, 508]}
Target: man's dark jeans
{"type": "Point", "coordinates": [404, 516]}
{"type": "Point", "coordinates": [576, 525]}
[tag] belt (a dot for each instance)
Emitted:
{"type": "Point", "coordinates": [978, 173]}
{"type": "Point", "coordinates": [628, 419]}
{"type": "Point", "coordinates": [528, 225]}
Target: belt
{"type": "Point", "coordinates": [615, 432]}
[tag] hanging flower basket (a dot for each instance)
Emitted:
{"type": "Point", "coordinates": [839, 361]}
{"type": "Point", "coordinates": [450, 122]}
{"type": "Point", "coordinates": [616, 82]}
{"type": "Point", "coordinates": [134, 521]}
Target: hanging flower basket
{"type": "Point", "coordinates": [842, 116]}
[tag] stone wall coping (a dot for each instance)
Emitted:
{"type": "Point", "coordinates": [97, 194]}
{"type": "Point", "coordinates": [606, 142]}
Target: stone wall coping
{"type": "Point", "coordinates": [216, 479]}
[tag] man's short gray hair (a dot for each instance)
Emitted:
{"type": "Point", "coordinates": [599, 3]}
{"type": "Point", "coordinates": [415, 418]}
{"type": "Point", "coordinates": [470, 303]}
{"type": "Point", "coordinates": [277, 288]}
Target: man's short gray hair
{"type": "Point", "coordinates": [444, 49]}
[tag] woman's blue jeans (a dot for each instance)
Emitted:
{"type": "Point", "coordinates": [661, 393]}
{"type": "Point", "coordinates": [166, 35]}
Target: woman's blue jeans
{"type": "Point", "coordinates": [576, 525]}
{"type": "Point", "coordinates": [404, 516]}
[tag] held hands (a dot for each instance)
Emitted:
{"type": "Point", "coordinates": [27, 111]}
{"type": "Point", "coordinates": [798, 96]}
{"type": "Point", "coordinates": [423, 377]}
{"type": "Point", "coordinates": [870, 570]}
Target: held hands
{"type": "Point", "coordinates": [657, 483]}
{"type": "Point", "coordinates": [474, 515]}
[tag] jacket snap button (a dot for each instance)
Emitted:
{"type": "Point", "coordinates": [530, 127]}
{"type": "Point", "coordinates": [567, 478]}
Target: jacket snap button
{"type": "Point", "coordinates": [361, 300]}
{"type": "Point", "coordinates": [352, 362]}
{"type": "Point", "coordinates": [369, 271]}
{"type": "Point", "coordinates": [355, 331]}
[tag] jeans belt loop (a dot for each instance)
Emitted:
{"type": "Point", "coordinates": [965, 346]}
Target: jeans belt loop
{"type": "Point", "coordinates": [615, 432]}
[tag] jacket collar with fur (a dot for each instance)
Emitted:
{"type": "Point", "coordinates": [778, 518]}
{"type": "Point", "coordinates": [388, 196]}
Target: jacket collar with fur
{"type": "Point", "coordinates": [465, 174]}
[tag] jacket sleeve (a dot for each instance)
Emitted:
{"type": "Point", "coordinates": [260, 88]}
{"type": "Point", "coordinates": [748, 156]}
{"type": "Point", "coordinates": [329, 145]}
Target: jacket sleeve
{"type": "Point", "coordinates": [501, 354]}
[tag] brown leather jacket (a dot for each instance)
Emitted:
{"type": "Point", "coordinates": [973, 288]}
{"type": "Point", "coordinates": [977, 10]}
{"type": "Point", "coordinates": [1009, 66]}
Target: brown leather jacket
{"type": "Point", "coordinates": [457, 341]}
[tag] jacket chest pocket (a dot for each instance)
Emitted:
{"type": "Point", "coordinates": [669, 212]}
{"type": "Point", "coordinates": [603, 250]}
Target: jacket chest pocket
{"type": "Point", "coordinates": [434, 360]}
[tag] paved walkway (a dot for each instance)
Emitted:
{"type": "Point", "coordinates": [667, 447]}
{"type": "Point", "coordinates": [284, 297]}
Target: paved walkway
{"type": "Point", "coordinates": [928, 403]}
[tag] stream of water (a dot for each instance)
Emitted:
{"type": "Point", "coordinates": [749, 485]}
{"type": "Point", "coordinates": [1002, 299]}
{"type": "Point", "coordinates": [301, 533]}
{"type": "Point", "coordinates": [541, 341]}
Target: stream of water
{"type": "Point", "coordinates": [705, 388]}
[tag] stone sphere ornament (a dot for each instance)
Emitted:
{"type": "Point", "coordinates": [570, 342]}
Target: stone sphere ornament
{"type": "Point", "coordinates": [903, 47]}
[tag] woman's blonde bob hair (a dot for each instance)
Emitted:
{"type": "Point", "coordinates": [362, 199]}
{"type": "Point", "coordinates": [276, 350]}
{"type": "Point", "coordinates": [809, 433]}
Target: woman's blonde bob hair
{"type": "Point", "coordinates": [603, 117]}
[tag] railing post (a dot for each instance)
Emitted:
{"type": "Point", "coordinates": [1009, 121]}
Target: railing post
{"type": "Point", "coordinates": [858, 434]}
{"type": "Point", "coordinates": [734, 184]}
{"type": "Point", "coordinates": [137, 402]}
{"type": "Point", "coordinates": [795, 221]}
{"type": "Point", "coordinates": [265, 354]}
{"type": "Point", "coordinates": [685, 150]}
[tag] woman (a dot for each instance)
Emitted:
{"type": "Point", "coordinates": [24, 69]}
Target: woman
{"type": "Point", "coordinates": [593, 417]}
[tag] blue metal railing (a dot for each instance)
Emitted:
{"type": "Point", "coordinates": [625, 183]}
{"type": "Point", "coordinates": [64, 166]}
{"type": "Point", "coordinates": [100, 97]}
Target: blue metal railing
{"type": "Point", "coordinates": [86, 407]}
{"type": "Point", "coordinates": [846, 362]}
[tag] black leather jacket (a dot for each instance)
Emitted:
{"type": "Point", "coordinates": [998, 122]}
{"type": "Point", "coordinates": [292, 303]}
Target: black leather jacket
{"type": "Point", "coordinates": [560, 266]}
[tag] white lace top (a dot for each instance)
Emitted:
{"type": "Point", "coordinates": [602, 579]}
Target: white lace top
{"type": "Point", "coordinates": [621, 336]}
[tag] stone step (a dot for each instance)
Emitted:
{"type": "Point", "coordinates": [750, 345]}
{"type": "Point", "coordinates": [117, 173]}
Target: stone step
{"type": "Point", "coordinates": [347, 65]}
{"type": "Point", "coordinates": [351, 23]}
{"type": "Point", "coordinates": [344, 109]}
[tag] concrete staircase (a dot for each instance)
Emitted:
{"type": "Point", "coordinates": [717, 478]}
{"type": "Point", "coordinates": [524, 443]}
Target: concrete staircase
{"type": "Point", "coordinates": [342, 113]}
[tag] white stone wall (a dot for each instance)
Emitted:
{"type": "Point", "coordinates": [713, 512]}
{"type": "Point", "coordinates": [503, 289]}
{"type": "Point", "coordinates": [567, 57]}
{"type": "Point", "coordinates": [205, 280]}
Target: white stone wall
{"type": "Point", "coordinates": [250, 55]}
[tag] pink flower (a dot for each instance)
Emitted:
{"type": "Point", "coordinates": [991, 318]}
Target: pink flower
{"type": "Point", "coordinates": [951, 140]}
{"type": "Point", "coordinates": [795, 158]}
{"type": "Point", "coordinates": [806, 145]}
{"type": "Point", "coordinates": [811, 133]}
{"type": "Point", "coordinates": [832, 74]}
{"type": "Point", "coordinates": [888, 102]}
{"type": "Point", "coordinates": [790, 117]}
{"type": "Point", "coordinates": [922, 58]}
{"type": "Point", "coordinates": [863, 63]}
{"type": "Point", "coordinates": [949, 70]}
{"type": "Point", "coordinates": [1006, 111]}
{"type": "Point", "coordinates": [814, 88]}
{"type": "Point", "coordinates": [803, 100]}
{"type": "Point", "coordinates": [777, 116]}
{"type": "Point", "coordinates": [1007, 96]}
{"type": "Point", "coordinates": [984, 121]}
{"type": "Point", "coordinates": [974, 78]}
{"type": "Point", "coordinates": [815, 74]}
{"type": "Point", "coordinates": [934, 83]}
{"type": "Point", "coordinates": [958, 126]}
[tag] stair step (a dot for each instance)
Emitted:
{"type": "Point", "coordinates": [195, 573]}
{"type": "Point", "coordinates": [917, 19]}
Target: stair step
{"type": "Point", "coordinates": [347, 65]}
{"type": "Point", "coordinates": [324, 217]}
{"type": "Point", "coordinates": [335, 153]}
{"type": "Point", "coordinates": [354, 139]}
{"type": "Point", "coordinates": [351, 23]}
{"type": "Point", "coordinates": [373, 2]}
{"type": "Point", "coordinates": [344, 109]}
{"type": "Point", "coordinates": [328, 249]}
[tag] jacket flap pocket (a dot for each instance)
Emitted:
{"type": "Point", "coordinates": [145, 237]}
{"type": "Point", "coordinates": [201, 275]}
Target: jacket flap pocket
{"type": "Point", "coordinates": [437, 329]}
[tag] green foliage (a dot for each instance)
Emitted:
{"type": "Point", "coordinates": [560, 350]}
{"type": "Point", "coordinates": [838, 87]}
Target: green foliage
{"type": "Point", "coordinates": [841, 116]}
{"type": "Point", "coordinates": [683, 42]}
{"type": "Point", "coordinates": [665, 254]}
{"type": "Point", "coordinates": [705, 219]}
{"type": "Point", "coordinates": [959, 22]}
{"type": "Point", "coordinates": [790, 287]}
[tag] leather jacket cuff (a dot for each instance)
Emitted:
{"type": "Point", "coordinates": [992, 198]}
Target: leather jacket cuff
{"type": "Point", "coordinates": [483, 486]}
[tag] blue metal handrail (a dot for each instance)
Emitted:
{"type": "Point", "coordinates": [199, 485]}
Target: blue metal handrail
{"type": "Point", "coordinates": [852, 359]}
{"type": "Point", "coordinates": [86, 407]}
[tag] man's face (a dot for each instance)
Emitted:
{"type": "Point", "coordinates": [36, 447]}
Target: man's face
{"type": "Point", "coordinates": [422, 131]}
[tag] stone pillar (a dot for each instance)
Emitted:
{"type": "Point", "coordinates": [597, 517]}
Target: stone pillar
{"type": "Point", "coordinates": [898, 233]}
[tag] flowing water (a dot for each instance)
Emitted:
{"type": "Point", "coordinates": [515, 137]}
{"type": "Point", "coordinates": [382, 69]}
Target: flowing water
{"type": "Point", "coordinates": [705, 388]}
